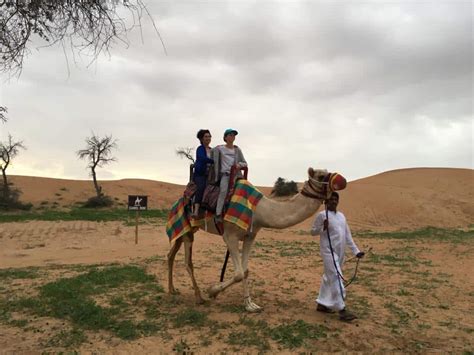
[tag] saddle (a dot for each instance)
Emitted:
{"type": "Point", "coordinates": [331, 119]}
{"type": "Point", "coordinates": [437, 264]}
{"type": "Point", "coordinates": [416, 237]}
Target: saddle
{"type": "Point", "coordinates": [211, 193]}
{"type": "Point", "coordinates": [210, 197]}
{"type": "Point", "coordinates": [191, 187]}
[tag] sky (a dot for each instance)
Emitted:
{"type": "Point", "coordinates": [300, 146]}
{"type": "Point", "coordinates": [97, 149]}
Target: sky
{"type": "Point", "coordinates": [357, 87]}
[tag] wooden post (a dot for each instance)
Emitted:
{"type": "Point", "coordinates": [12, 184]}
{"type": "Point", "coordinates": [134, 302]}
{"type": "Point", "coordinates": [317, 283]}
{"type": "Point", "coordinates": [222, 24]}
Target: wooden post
{"type": "Point", "coordinates": [137, 214]}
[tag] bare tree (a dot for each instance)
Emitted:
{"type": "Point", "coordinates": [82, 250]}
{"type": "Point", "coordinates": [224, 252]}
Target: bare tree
{"type": "Point", "coordinates": [91, 26]}
{"type": "Point", "coordinates": [98, 153]}
{"type": "Point", "coordinates": [185, 152]}
{"type": "Point", "coordinates": [8, 151]}
{"type": "Point", "coordinates": [3, 114]}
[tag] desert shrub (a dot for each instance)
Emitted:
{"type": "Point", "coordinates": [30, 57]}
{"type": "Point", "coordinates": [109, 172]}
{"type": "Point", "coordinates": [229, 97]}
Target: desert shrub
{"type": "Point", "coordinates": [283, 187]}
{"type": "Point", "coordinates": [11, 200]}
{"type": "Point", "coordinates": [7, 204]}
{"type": "Point", "coordinates": [98, 202]}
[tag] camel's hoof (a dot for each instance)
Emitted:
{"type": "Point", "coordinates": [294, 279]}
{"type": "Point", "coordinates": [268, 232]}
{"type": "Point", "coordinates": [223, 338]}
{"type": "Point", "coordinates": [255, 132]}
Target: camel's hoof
{"type": "Point", "coordinates": [200, 300]}
{"type": "Point", "coordinates": [173, 291]}
{"type": "Point", "coordinates": [213, 292]}
{"type": "Point", "coordinates": [252, 307]}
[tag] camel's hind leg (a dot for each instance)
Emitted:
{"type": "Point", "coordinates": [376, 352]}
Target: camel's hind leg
{"type": "Point", "coordinates": [232, 242]}
{"type": "Point", "coordinates": [188, 252]}
{"type": "Point", "coordinates": [171, 255]}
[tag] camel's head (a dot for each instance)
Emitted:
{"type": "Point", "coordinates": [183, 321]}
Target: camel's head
{"type": "Point", "coordinates": [321, 183]}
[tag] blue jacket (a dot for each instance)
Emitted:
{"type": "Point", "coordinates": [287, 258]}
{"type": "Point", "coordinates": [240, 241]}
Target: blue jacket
{"type": "Point", "coordinates": [201, 161]}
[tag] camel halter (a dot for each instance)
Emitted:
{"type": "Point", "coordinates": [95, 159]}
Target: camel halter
{"type": "Point", "coordinates": [321, 190]}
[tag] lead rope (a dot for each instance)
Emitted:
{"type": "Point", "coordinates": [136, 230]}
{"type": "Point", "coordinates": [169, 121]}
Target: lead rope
{"type": "Point", "coordinates": [338, 274]}
{"type": "Point", "coordinates": [355, 273]}
{"type": "Point", "coordinates": [335, 265]}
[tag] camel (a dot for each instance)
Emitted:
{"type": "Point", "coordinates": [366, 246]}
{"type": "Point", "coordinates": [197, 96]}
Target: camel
{"type": "Point", "coordinates": [268, 214]}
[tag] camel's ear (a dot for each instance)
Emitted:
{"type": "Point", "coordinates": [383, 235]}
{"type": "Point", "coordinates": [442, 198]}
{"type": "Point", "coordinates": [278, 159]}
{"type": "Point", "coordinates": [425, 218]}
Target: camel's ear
{"type": "Point", "coordinates": [311, 172]}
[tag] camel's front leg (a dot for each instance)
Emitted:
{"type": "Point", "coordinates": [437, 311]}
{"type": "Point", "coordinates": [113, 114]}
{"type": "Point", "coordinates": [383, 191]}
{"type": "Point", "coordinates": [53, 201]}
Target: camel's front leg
{"type": "Point", "coordinates": [171, 255]}
{"type": "Point", "coordinates": [188, 252]}
{"type": "Point", "coordinates": [246, 248]}
{"type": "Point", "coordinates": [232, 242]}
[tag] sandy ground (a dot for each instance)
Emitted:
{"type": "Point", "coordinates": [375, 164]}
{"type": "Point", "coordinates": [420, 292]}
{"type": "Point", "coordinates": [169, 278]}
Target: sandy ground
{"type": "Point", "coordinates": [424, 304]}
{"type": "Point", "coordinates": [421, 304]}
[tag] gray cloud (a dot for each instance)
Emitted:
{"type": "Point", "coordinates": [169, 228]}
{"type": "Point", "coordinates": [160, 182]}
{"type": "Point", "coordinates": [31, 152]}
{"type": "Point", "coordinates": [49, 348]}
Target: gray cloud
{"type": "Point", "coordinates": [357, 87]}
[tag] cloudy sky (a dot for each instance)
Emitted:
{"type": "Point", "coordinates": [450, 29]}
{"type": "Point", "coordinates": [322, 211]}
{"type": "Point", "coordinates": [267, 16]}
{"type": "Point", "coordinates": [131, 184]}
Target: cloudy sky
{"type": "Point", "coordinates": [358, 87]}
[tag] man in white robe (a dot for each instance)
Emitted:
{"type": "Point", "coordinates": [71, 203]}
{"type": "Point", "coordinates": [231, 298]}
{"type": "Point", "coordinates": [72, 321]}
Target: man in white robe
{"type": "Point", "coordinates": [332, 293]}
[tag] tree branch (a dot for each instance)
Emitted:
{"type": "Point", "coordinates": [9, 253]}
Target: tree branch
{"type": "Point", "coordinates": [185, 153]}
{"type": "Point", "coordinates": [86, 26]}
{"type": "Point", "coordinates": [3, 114]}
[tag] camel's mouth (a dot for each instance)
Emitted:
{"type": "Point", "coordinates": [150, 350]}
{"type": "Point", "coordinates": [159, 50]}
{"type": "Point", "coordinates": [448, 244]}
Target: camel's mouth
{"type": "Point", "coordinates": [336, 181]}
{"type": "Point", "coordinates": [332, 182]}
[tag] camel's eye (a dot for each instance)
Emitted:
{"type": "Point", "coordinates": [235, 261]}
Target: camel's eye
{"type": "Point", "coordinates": [320, 177]}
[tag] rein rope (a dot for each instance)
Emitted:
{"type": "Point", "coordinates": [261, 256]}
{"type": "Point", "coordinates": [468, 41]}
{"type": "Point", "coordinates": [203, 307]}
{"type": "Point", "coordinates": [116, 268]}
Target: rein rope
{"type": "Point", "coordinates": [347, 283]}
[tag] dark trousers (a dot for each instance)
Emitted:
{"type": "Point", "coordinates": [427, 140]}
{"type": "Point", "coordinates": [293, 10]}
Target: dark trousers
{"type": "Point", "coordinates": [201, 182]}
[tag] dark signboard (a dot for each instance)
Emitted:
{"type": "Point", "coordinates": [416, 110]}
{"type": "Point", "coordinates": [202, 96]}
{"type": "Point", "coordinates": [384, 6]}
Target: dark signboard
{"type": "Point", "coordinates": [137, 202]}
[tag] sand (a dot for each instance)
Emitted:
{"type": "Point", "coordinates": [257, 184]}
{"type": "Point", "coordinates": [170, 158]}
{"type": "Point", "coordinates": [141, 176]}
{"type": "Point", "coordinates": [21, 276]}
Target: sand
{"type": "Point", "coordinates": [284, 283]}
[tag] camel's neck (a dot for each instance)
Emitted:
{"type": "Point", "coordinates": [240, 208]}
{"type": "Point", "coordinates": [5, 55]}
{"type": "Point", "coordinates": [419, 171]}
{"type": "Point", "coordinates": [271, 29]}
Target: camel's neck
{"type": "Point", "coordinates": [283, 214]}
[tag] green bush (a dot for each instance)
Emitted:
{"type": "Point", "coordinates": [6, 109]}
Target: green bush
{"type": "Point", "coordinates": [98, 202]}
{"type": "Point", "coordinates": [283, 187]}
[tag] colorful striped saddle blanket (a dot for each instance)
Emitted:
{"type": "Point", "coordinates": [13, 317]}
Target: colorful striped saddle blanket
{"type": "Point", "coordinates": [242, 204]}
{"type": "Point", "coordinates": [178, 222]}
{"type": "Point", "coordinates": [240, 211]}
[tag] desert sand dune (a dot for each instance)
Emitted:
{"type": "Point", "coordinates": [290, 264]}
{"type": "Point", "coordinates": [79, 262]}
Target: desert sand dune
{"type": "Point", "coordinates": [410, 199]}
{"type": "Point", "coordinates": [393, 200]}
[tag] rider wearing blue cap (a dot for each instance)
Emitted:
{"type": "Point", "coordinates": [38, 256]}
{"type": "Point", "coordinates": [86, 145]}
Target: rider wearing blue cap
{"type": "Point", "coordinates": [225, 156]}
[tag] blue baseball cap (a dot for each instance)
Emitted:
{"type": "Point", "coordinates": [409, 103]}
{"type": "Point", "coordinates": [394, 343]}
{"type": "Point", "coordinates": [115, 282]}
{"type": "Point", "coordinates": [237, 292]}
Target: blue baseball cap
{"type": "Point", "coordinates": [229, 131]}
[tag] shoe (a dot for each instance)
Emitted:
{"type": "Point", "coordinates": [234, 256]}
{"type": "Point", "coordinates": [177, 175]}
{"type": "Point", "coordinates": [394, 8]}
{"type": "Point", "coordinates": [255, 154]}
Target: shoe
{"type": "Point", "coordinates": [324, 309]}
{"type": "Point", "coordinates": [346, 316]}
{"type": "Point", "coordinates": [218, 219]}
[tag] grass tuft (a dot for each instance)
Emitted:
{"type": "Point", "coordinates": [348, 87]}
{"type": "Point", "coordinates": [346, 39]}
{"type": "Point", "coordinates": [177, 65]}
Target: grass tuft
{"type": "Point", "coordinates": [190, 317]}
{"type": "Point", "coordinates": [431, 233]}
{"type": "Point", "coordinates": [72, 299]}
{"type": "Point", "coordinates": [28, 273]}
{"type": "Point", "coordinates": [248, 337]}
{"type": "Point", "coordinates": [294, 335]}
{"type": "Point", "coordinates": [80, 214]}
{"type": "Point", "coordinates": [67, 338]}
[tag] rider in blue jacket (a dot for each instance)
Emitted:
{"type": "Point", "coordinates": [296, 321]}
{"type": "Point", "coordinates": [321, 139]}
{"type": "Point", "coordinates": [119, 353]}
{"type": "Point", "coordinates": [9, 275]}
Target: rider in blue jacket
{"type": "Point", "coordinates": [201, 167]}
